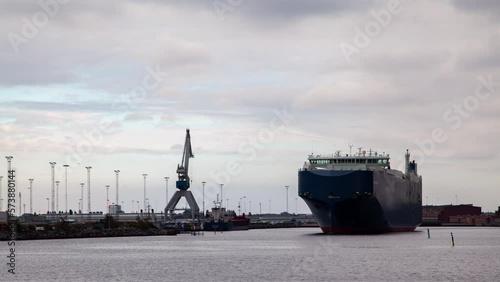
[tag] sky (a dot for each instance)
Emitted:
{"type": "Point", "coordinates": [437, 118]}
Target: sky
{"type": "Point", "coordinates": [260, 84]}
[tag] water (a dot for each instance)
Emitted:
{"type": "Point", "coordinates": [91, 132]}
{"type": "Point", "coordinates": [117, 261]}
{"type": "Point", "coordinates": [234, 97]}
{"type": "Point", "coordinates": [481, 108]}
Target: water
{"type": "Point", "coordinates": [299, 254]}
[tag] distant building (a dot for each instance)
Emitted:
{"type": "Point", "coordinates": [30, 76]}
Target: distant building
{"type": "Point", "coordinates": [445, 212]}
{"type": "Point", "coordinates": [485, 219]}
{"type": "Point", "coordinates": [114, 209]}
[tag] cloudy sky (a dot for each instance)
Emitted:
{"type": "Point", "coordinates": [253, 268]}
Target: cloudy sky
{"type": "Point", "coordinates": [261, 84]}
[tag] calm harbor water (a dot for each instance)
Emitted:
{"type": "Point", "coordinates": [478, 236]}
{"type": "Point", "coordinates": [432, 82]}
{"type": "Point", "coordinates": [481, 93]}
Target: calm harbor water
{"type": "Point", "coordinates": [299, 254]}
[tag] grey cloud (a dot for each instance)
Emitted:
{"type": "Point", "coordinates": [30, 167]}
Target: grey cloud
{"type": "Point", "coordinates": [491, 7]}
{"type": "Point", "coordinates": [88, 106]}
{"type": "Point", "coordinates": [138, 117]}
{"type": "Point", "coordinates": [286, 10]}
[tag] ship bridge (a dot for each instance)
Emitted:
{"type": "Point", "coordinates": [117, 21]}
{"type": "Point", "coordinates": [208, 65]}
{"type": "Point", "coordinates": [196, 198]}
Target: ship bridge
{"type": "Point", "coordinates": [360, 161]}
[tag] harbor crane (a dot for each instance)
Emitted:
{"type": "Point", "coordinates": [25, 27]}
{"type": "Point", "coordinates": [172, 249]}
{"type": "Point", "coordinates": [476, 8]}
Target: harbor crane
{"type": "Point", "coordinates": [183, 183]}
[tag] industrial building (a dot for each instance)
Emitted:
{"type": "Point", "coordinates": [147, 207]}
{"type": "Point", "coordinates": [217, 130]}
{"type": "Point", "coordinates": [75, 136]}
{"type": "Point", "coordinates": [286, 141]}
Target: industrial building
{"type": "Point", "coordinates": [443, 214]}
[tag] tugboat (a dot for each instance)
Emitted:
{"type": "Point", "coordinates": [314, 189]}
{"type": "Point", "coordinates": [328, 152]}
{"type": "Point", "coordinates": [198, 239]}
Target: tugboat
{"type": "Point", "coordinates": [218, 219]}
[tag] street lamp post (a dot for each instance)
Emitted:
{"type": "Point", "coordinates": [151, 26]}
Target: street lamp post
{"type": "Point", "coordinates": [9, 160]}
{"type": "Point", "coordinates": [66, 188]}
{"type": "Point", "coordinates": [31, 195]}
{"type": "Point", "coordinates": [250, 207]}
{"type": "Point", "coordinates": [286, 198]}
{"type": "Point", "coordinates": [117, 173]}
{"type": "Point", "coordinates": [57, 195]}
{"type": "Point", "coordinates": [144, 175]}
{"type": "Point", "coordinates": [107, 198]}
{"type": "Point", "coordinates": [203, 197]}
{"type": "Point", "coordinates": [88, 189]}
{"type": "Point", "coordinates": [81, 197]}
{"type": "Point", "coordinates": [52, 182]}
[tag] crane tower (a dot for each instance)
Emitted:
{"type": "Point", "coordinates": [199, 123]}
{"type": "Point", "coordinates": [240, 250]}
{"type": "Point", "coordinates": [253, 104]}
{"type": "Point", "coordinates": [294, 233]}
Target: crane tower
{"type": "Point", "coordinates": [183, 183]}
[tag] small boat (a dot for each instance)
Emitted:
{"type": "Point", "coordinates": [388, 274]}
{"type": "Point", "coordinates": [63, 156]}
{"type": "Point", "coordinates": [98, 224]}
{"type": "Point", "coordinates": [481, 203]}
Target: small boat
{"type": "Point", "coordinates": [217, 219]}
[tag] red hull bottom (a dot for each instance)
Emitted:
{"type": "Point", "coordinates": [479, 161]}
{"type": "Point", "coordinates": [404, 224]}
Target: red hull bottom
{"type": "Point", "coordinates": [366, 230]}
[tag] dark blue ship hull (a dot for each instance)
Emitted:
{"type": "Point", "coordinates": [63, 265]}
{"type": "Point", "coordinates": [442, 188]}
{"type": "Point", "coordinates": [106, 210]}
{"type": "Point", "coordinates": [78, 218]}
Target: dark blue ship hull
{"type": "Point", "coordinates": [217, 225]}
{"type": "Point", "coordinates": [350, 202]}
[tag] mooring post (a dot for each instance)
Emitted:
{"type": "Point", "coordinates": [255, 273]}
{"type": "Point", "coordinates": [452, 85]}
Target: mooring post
{"type": "Point", "coordinates": [452, 240]}
{"type": "Point", "coordinates": [428, 233]}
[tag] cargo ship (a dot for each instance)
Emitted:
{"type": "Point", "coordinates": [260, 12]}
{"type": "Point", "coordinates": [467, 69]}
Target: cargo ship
{"type": "Point", "coordinates": [240, 222]}
{"type": "Point", "coordinates": [219, 219]}
{"type": "Point", "coordinates": [360, 193]}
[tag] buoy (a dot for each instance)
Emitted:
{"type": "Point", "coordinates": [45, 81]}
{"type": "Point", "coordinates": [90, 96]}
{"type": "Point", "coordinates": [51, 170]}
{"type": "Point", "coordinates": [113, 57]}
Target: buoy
{"type": "Point", "coordinates": [452, 240]}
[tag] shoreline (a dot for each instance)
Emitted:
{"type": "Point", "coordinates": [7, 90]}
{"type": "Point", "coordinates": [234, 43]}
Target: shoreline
{"type": "Point", "coordinates": [81, 234]}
